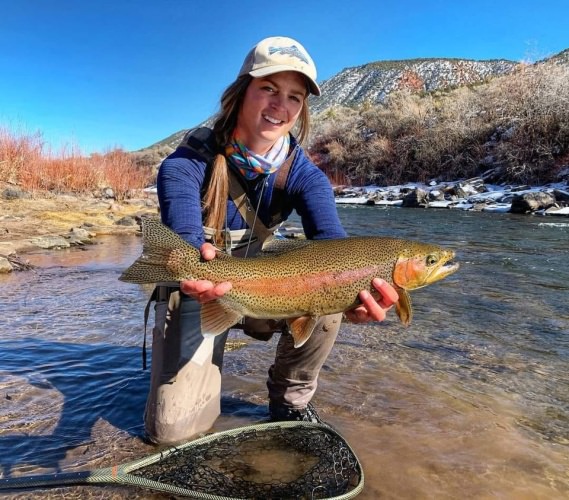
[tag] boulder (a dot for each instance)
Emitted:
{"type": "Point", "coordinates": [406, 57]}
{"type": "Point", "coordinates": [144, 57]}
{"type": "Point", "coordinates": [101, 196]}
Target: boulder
{"type": "Point", "coordinates": [476, 184]}
{"type": "Point", "coordinates": [418, 198]}
{"type": "Point", "coordinates": [561, 196]}
{"type": "Point", "coordinates": [126, 221]}
{"type": "Point", "coordinates": [530, 202]}
{"type": "Point", "coordinates": [48, 242]}
{"type": "Point", "coordinates": [5, 266]}
{"type": "Point", "coordinates": [14, 193]}
{"type": "Point", "coordinates": [436, 195]}
{"type": "Point", "coordinates": [79, 236]}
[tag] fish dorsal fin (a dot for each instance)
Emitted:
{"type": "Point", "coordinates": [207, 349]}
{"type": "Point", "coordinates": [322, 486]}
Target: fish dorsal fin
{"type": "Point", "coordinates": [301, 328]}
{"type": "Point", "coordinates": [403, 307]}
{"type": "Point", "coordinates": [216, 318]}
{"type": "Point", "coordinates": [278, 246]}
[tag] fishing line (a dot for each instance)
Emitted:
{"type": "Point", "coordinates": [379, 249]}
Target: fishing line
{"type": "Point", "coordinates": [300, 460]}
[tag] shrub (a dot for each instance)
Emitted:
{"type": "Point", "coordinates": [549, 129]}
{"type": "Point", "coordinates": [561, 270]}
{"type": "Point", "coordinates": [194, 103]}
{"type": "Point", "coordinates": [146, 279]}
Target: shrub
{"type": "Point", "coordinates": [25, 161]}
{"type": "Point", "coordinates": [519, 122]}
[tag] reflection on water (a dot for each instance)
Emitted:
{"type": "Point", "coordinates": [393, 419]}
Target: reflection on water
{"type": "Point", "coordinates": [470, 401]}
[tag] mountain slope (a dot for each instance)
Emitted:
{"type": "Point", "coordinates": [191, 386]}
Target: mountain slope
{"type": "Point", "coordinates": [373, 82]}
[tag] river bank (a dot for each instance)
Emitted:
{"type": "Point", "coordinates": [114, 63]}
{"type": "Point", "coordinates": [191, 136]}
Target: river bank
{"type": "Point", "coordinates": [472, 194]}
{"type": "Point", "coordinates": [50, 221]}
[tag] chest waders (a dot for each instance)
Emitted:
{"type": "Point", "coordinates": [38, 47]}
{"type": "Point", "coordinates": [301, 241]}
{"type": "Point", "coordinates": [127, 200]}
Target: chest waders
{"type": "Point", "coordinates": [185, 386]}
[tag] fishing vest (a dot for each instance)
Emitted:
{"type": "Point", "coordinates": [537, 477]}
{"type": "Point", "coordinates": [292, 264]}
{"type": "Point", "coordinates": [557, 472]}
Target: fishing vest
{"type": "Point", "coordinates": [202, 142]}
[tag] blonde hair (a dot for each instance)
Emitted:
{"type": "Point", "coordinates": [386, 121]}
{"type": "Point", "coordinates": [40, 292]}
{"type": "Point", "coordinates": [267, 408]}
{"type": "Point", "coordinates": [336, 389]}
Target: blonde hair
{"type": "Point", "coordinates": [215, 199]}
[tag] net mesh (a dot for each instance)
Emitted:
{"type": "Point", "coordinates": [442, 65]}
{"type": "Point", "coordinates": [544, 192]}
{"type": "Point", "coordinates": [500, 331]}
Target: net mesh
{"type": "Point", "coordinates": [295, 462]}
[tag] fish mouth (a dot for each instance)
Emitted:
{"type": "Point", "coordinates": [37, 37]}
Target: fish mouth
{"type": "Point", "coordinates": [449, 268]}
{"type": "Point", "coordinates": [446, 268]}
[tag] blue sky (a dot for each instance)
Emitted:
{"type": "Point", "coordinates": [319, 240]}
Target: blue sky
{"type": "Point", "coordinates": [106, 73]}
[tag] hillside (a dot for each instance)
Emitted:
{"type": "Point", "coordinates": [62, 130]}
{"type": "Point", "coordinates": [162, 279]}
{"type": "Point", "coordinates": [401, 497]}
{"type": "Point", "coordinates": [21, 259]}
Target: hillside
{"type": "Point", "coordinates": [360, 97]}
{"type": "Point", "coordinates": [374, 81]}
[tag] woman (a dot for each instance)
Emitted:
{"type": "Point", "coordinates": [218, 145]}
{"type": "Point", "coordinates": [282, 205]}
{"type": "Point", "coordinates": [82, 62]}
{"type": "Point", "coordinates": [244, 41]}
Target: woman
{"type": "Point", "coordinates": [226, 198]}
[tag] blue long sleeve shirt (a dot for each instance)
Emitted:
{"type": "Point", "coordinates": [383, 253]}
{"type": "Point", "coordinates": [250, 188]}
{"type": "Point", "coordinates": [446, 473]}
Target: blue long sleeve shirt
{"type": "Point", "coordinates": [308, 192]}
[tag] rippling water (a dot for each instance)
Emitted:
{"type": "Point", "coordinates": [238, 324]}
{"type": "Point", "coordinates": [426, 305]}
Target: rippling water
{"type": "Point", "coordinates": [470, 401]}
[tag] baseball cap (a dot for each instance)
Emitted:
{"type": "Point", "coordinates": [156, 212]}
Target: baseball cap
{"type": "Point", "coordinates": [279, 53]}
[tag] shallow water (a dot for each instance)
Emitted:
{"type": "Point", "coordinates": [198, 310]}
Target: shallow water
{"type": "Point", "coordinates": [470, 401]}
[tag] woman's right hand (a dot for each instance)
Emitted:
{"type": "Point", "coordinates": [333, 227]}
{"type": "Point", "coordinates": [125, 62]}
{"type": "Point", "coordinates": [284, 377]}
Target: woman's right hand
{"type": "Point", "coordinates": [204, 290]}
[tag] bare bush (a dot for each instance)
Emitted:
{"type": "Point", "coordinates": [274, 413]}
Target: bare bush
{"type": "Point", "coordinates": [25, 161]}
{"type": "Point", "coordinates": [18, 150]}
{"type": "Point", "coordinates": [121, 173]}
{"type": "Point", "coordinates": [520, 122]}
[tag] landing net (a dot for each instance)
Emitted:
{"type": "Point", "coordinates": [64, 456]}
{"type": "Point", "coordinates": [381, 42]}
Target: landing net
{"type": "Point", "coordinates": [283, 460]}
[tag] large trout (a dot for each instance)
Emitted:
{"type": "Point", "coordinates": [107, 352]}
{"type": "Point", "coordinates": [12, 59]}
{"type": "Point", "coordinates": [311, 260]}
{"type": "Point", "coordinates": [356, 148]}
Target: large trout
{"type": "Point", "coordinates": [299, 281]}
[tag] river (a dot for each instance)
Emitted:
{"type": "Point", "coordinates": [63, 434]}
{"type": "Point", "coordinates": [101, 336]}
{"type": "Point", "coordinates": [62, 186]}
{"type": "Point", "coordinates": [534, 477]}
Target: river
{"type": "Point", "coordinates": [470, 401]}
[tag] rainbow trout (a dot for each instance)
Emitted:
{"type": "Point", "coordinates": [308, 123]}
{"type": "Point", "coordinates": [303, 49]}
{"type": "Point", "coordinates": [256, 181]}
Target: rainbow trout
{"type": "Point", "coordinates": [299, 281]}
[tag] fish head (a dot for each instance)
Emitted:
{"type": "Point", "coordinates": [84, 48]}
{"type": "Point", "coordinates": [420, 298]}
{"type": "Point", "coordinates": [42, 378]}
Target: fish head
{"type": "Point", "coordinates": [421, 264]}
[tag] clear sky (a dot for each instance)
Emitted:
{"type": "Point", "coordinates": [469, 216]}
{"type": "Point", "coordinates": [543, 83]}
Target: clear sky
{"type": "Point", "coordinates": [128, 73]}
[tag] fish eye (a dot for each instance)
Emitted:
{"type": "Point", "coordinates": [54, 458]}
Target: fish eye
{"type": "Point", "coordinates": [432, 260]}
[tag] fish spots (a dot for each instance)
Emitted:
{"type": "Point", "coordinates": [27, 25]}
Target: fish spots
{"type": "Point", "coordinates": [315, 279]}
{"type": "Point", "coordinates": [175, 262]}
{"type": "Point", "coordinates": [299, 285]}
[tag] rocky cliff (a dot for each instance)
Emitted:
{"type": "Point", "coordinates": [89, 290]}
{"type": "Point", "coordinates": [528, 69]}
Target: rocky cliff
{"type": "Point", "coordinates": [373, 82]}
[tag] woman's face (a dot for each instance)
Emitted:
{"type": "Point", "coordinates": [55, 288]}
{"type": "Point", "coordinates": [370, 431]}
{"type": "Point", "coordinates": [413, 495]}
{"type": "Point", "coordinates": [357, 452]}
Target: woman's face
{"type": "Point", "coordinates": [271, 106]}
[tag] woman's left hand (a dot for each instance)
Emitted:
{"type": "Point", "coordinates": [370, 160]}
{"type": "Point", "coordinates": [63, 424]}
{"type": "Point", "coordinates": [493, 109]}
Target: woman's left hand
{"type": "Point", "coordinates": [372, 309]}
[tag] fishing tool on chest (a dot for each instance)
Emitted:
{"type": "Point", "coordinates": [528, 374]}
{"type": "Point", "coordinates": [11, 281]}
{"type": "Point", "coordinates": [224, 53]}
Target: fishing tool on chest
{"type": "Point", "coordinates": [280, 460]}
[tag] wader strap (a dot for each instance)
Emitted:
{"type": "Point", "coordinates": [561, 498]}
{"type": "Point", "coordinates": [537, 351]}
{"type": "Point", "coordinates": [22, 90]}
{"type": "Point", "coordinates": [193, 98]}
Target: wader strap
{"type": "Point", "coordinates": [243, 204]}
{"type": "Point", "coordinates": [240, 199]}
{"type": "Point", "coordinates": [146, 313]}
{"type": "Point", "coordinates": [278, 198]}
{"type": "Point", "coordinates": [160, 292]}
{"type": "Point", "coordinates": [282, 173]}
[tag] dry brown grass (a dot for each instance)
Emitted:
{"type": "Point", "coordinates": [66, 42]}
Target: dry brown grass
{"type": "Point", "coordinates": [27, 162]}
{"type": "Point", "coordinates": [518, 122]}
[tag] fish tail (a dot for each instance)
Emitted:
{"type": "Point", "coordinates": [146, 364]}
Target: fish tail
{"type": "Point", "coordinates": [164, 254]}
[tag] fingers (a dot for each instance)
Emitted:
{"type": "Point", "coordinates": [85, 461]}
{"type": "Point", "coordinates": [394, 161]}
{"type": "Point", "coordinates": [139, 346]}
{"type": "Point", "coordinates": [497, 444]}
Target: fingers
{"type": "Point", "coordinates": [203, 290]}
{"type": "Point", "coordinates": [375, 312]}
{"type": "Point", "coordinates": [373, 309]}
{"type": "Point", "coordinates": [388, 295]}
{"type": "Point", "coordinates": [208, 251]}
{"type": "Point", "coordinates": [358, 315]}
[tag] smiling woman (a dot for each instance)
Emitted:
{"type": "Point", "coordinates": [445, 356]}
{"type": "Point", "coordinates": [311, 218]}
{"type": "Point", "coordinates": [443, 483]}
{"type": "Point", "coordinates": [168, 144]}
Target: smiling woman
{"type": "Point", "coordinates": [231, 187]}
{"type": "Point", "coordinates": [270, 110]}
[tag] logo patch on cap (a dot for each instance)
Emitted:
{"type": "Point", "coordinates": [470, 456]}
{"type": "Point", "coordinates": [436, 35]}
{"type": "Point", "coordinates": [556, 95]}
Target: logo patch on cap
{"type": "Point", "coordinates": [292, 51]}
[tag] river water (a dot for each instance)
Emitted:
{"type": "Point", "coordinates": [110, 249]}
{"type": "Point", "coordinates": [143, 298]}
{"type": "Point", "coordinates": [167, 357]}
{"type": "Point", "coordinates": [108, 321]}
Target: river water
{"type": "Point", "coordinates": [470, 401]}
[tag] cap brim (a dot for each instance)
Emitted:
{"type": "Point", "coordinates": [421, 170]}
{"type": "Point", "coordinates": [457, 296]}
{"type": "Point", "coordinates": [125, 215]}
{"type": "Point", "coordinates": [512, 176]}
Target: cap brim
{"type": "Point", "coordinates": [271, 70]}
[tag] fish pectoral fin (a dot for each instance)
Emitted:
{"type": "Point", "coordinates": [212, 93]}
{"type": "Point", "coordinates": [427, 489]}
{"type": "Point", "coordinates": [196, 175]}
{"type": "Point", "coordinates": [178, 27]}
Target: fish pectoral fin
{"type": "Point", "coordinates": [301, 328]}
{"type": "Point", "coordinates": [216, 319]}
{"type": "Point", "coordinates": [403, 307]}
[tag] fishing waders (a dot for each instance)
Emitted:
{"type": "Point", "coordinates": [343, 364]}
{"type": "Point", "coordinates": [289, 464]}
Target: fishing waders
{"type": "Point", "coordinates": [185, 387]}
{"type": "Point", "coordinates": [185, 382]}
